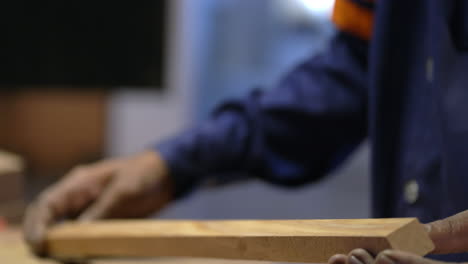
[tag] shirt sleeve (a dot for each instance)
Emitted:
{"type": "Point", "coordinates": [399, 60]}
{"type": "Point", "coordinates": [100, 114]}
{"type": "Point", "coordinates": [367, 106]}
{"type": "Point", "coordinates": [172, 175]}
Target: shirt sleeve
{"type": "Point", "coordinates": [290, 135]}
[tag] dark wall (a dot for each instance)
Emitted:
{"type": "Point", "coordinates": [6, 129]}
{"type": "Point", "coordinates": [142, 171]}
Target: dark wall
{"type": "Point", "coordinates": [84, 43]}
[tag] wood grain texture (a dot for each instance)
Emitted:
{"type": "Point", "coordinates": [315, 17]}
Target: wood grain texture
{"type": "Point", "coordinates": [13, 250]}
{"type": "Point", "coordinates": [274, 240]}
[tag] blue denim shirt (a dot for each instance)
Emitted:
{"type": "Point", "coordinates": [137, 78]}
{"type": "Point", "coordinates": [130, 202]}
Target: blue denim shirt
{"type": "Point", "coordinates": [406, 90]}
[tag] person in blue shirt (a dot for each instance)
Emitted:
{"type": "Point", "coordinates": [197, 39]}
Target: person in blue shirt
{"type": "Point", "coordinates": [396, 73]}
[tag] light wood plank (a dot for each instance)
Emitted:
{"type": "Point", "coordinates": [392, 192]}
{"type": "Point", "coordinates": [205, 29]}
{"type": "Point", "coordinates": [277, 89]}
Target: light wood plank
{"type": "Point", "coordinates": [273, 240]}
{"type": "Point", "coordinates": [13, 250]}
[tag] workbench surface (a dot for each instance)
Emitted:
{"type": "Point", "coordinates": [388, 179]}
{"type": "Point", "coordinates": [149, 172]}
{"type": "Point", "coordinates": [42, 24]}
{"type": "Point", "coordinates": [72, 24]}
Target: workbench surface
{"type": "Point", "coordinates": [14, 251]}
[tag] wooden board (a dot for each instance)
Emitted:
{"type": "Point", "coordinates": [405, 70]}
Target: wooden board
{"type": "Point", "coordinates": [11, 186]}
{"type": "Point", "coordinates": [274, 240]}
{"type": "Point", "coordinates": [13, 250]}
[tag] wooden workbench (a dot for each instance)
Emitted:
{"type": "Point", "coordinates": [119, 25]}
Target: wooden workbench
{"type": "Point", "coordinates": [14, 251]}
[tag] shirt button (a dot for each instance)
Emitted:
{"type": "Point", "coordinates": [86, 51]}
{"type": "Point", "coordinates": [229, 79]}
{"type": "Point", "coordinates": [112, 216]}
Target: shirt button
{"type": "Point", "coordinates": [429, 69]}
{"type": "Point", "coordinates": [411, 191]}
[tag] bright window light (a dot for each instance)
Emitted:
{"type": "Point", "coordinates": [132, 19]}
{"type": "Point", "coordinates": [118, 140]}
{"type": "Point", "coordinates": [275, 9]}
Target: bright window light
{"type": "Point", "coordinates": [318, 7]}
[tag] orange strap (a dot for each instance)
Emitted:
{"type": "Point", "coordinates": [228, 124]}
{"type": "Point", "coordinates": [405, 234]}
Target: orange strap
{"type": "Point", "coordinates": [350, 17]}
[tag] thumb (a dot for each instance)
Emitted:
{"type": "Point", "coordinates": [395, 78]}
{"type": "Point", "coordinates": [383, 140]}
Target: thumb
{"type": "Point", "coordinates": [103, 206]}
{"type": "Point", "coordinates": [450, 235]}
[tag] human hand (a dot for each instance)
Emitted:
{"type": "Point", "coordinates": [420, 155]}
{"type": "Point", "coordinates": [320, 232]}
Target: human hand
{"type": "Point", "coordinates": [450, 235]}
{"type": "Point", "coordinates": [361, 256]}
{"type": "Point", "coordinates": [120, 188]}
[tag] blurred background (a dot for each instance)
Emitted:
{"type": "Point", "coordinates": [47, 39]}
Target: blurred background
{"type": "Point", "coordinates": [88, 80]}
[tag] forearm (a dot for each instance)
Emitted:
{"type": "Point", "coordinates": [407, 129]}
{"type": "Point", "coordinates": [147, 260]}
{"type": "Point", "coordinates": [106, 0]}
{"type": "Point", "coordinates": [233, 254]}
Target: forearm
{"type": "Point", "coordinates": [289, 135]}
{"type": "Point", "coordinates": [215, 147]}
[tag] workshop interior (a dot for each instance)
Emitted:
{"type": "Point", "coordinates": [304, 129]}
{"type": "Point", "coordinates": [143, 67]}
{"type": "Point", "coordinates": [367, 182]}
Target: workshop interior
{"type": "Point", "coordinates": [87, 80]}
